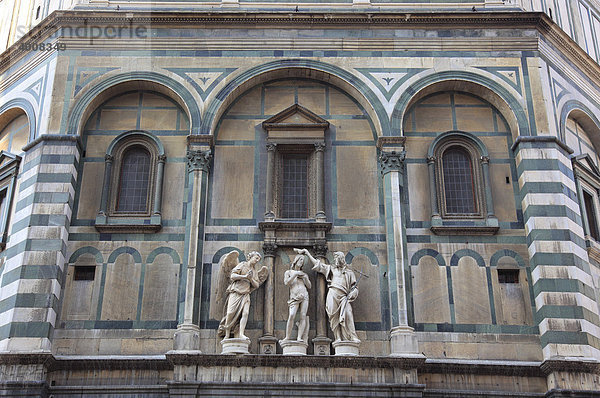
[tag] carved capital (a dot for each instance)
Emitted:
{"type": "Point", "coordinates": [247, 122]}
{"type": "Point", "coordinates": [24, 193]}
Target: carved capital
{"type": "Point", "coordinates": [162, 158]}
{"type": "Point", "coordinates": [198, 160]}
{"type": "Point", "coordinates": [320, 250]}
{"type": "Point", "coordinates": [391, 161]}
{"type": "Point", "coordinates": [319, 146]}
{"type": "Point", "coordinates": [431, 159]}
{"type": "Point", "coordinates": [271, 147]}
{"type": "Point", "coordinates": [485, 159]}
{"type": "Point", "coordinates": [108, 158]}
{"type": "Point", "coordinates": [269, 249]}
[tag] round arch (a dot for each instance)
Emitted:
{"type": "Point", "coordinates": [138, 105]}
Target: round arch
{"type": "Point", "coordinates": [584, 116]}
{"type": "Point", "coordinates": [91, 98]}
{"type": "Point", "coordinates": [297, 68]}
{"type": "Point", "coordinates": [476, 141]}
{"type": "Point", "coordinates": [486, 88]}
{"type": "Point", "coordinates": [11, 109]}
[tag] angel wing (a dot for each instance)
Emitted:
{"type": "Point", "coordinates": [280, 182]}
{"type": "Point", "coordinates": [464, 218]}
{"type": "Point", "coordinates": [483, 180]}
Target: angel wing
{"type": "Point", "coordinates": [226, 264]}
{"type": "Point", "coordinates": [261, 275]}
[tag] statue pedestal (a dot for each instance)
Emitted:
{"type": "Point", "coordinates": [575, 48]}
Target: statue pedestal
{"type": "Point", "coordinates": [348, 348]}
{"type": "Point", "coordinates": [293, 347]}
{"type": "Point", "coordinates": [321, 345]}
{"type": "Point", "coordinates": [267, 345]}
{"type": "Point", "coordinates": [235, 346]}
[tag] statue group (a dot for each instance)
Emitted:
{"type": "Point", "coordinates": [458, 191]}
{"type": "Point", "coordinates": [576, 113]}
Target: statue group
{"type": "Point", "coordinates": [237, 280]}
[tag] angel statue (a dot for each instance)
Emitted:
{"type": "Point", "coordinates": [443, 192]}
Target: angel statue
{"type": "Point", "coordinates": [342, 291]}
{"type": "Point", "coordinates": [236, 282]}
{"type": "Point", "coordinates": [299, 284]}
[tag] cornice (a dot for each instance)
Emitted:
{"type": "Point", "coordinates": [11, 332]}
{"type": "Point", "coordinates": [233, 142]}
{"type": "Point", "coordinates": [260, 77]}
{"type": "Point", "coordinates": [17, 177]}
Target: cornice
{"type": "Point", "coordinates": [220, 18]}
{"type": "Point", "coordinates": [284, 19]}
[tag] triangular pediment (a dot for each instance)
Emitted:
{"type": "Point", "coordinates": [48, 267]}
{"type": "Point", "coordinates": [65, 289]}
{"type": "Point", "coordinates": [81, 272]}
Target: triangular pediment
{"type": "Point", "coordinates": [7, 158]}
{"type": "Point", "coordinates": [296, 117]}
{"type": "Point", "coordinates": [586, 162]}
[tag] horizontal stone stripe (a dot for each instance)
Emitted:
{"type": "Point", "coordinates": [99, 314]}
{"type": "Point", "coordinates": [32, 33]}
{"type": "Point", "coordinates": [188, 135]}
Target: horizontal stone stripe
{"type": "Point", "coordinates": [548, 147]}
{"type": "Point", "coordinates": [29, 300]}
{"type": "Point", "coordinates": [555, 234]}
{"type": "Point", "coordinates": [544, 199]}
{"type": "Point", "coordinates": [64, 178]}
{"type": "Point", "coordinates": [157, 324]}
{"type": "Point", "coordinates": [32, 272]}
{"type": "Point", "coordinates": [110, 237]}
{"type": "Point", "coordinates": [546, 176]}
{"type": "Point", "coordinates": [561, 272]}
{"type": "Point", "coordinates": [568, 312]}
{"type": "Point", "coordinates": [566, 299]}
{"type": "Point", "coordinates": [562, 337]}
{"type": "Point", "coordinates": [41, 220]}
{"type": "Point", "coordinates": [569, 325]}
{"type": "Point", "coordinates": [548, 188]}
{"type": "Point", "coordinates": [563, 285]}
{"type": "Point", "coordinates": [551, 211]}
{"type": "Point", "coordinates": [39, 245]}
{"type": "Point", "coordinates": [534, 223]}
{"type": "Point", "coordinates": [536, 153]}
{"type": "Point", "coordinates": [44, 197]}
{"type": "Point", "coordinates": [559, 246]}
{"type": "Point", "coordinates": [50, 159]}
{"type": "Point", "coordinates": [546, 165]}
{"type": "Point", "coordinates": [26, 329]}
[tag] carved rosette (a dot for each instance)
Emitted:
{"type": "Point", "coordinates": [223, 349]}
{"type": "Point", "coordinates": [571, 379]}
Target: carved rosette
{"type": "Point", "coordinates": [391, 161]}
{"type": "Point", "coordinates": [108, 158]}
{"type": "Point", "coordinates": [162, 158]}
{"type": "Point", "coordinates": [319, 146]}
{"type": "Point", "coordinates": [269, 249]}
{"type": "Point", "coordinates": [485, 160]}
{"type": "Point", "coordinates": [198, 160]}
{"type": "Point", "coordinates": [320, 250]}
{"type": "Point", "coordinates": [271, 147]}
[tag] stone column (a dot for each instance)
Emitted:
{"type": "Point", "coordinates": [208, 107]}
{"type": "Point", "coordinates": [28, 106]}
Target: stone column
{"type": "Point", "coordinates": [269, 213]}
{"type": "Point", "coordinates": [319, 149]}
{"type": "Point", "coordinates": [559, 262]}
{"type": "Point", "coordinates": [403, 340]}
{"type": "Point", "coordinates": [46, 190]}
{"type": "Point", "coordinates": [108, 161]}
{"type": "Point", "coordinates": [268, 343]}
{"type": "Point", "coordinates": [160, 172]}
{"type": "Point", "coordinates": [187, 336]}
{"type": "Point", "coordinates": [435, 211]}
{"type": "Point", "coordinates": [321, 343]}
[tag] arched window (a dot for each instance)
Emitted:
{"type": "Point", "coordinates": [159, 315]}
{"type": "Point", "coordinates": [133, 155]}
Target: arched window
{"type": "Point", "coordinates": [132, 190]}
{"type": "Point", "coordinates": [461, 197]}
{"type": "Point", "coordinates": [459, 186]}
{"type": "Point", "coordinates": [134, 183]}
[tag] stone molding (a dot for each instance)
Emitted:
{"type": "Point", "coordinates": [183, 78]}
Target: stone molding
{"type": "Point", "coordinates": [54, 137]}
{"type": "Point", "coordinates": [313, 361]}
{"type": "Point", "coordinates": [502, 20]}
{"type": "Point", "coordinates": [391, 161]}
{"type": "Point", "coordinates": [550, 139]}
{"type": "Point", "coordinates": [198, 160]}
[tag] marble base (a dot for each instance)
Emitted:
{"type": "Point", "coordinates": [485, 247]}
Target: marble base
{"type": "Point", "coordinates": [187, 338]}
{"type": "Point", "coordinates": [403, 342]}
{"type": "Point", "coordinates": [346, 348]}
{"type": "Point", "coordinates": [235, 346]}
{"type": "Point", "coordinates": [293, 347]}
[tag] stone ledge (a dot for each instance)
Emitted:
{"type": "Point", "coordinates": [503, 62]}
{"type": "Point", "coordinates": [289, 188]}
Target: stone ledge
{"type": "Point", "coordinates": [578, 365]}
{"type": "Point", "coordinates": [505, 368]}
{"type": "Point", "coordinates": [313, 361]}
